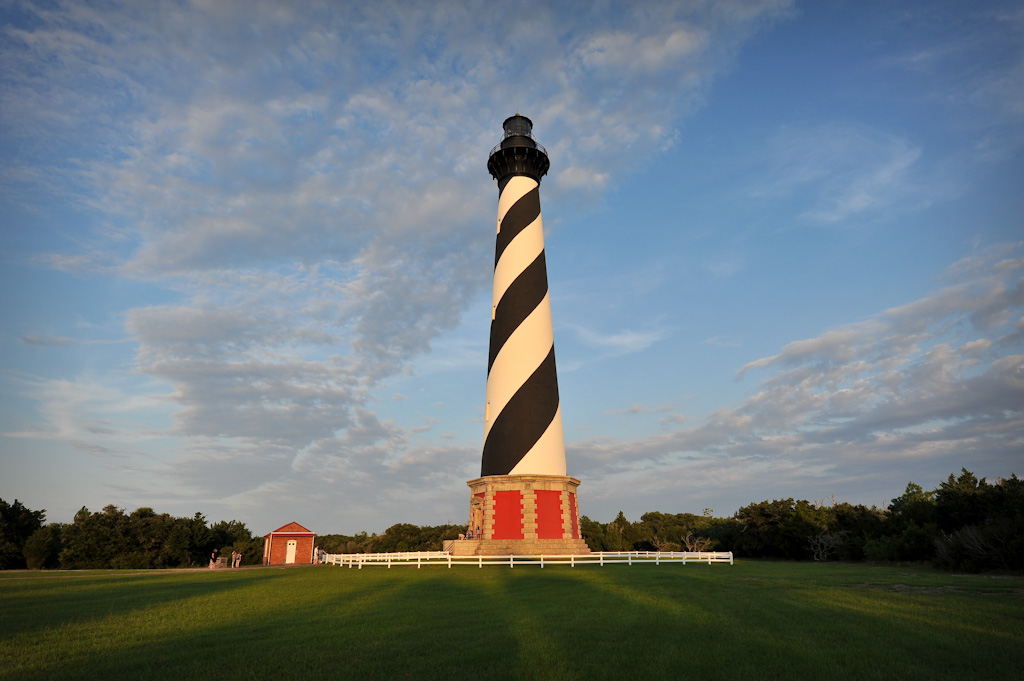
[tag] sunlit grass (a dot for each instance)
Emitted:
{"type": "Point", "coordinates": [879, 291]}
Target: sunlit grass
{"type": "Point", "coordinates": [750, 620]}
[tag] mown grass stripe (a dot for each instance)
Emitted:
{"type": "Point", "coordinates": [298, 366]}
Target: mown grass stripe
{"type": "Point", "coordinates": [753, 620]}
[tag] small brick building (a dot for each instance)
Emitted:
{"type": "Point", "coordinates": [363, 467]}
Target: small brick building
{"type": "Point", "coordinates": [288, 545]}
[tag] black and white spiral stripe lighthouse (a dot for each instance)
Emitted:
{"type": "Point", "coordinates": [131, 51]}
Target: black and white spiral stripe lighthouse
{"type": "Point", "coordinates": [523, 502]}
{"type": "Point", "coordinates": [523, 417]}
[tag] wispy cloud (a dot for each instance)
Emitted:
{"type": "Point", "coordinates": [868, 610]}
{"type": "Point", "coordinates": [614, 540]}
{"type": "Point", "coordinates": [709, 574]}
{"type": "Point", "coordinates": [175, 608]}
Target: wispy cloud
{"type": "Point", "coordinates": [43, 341]}
{"type": "Point", "coordinates": [308, 185]}
{"type": "Point", "coordinates": [975, 66]}
{"type": "Point", "coordinates": [853, 171]}
{"type": "Point", "coordinates": [640, 409]}
{"type": "Point", "coordinates": [723, 342]}
{"type": "Point", "coordinates": [48, 341]}
{"type": "Point", "coordinates": [619, 342]}
{"type": "Point", "coordinates": [938, 381]}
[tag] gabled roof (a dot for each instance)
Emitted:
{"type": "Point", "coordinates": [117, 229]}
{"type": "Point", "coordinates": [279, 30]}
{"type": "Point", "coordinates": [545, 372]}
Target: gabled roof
{"type": "Point", "coordinates": [292, 528]}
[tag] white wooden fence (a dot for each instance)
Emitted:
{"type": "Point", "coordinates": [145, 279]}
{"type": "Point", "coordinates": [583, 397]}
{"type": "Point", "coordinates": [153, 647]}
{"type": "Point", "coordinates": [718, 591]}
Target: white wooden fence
{"type": "Point", "coordinates": [421, 558]}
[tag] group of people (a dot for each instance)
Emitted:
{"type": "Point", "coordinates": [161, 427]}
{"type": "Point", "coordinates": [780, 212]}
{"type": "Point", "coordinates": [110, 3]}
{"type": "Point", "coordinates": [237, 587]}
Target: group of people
{"type": "Point", "coordinates": [319, 556]}
{"type": "Point", "coordinates": [236, 559]}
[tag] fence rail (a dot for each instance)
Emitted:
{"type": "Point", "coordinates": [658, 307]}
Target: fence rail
{"type": "Point", "coordinates": [421, 558]}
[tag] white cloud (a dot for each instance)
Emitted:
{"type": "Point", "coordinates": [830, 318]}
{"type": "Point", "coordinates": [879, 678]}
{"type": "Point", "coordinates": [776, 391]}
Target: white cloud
{"type": "Point", "coordinates": [631, 52]}
{"type": "Point", "coordinates": [309, 188]}
{"type": "Point", "coordinates": [920, 383]}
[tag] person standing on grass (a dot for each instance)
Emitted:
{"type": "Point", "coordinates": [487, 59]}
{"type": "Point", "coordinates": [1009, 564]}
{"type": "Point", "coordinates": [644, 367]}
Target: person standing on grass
{"type": "Point", "coordinates": [238, 559]}
{"type": "Point", "coordinates": [213, 559]}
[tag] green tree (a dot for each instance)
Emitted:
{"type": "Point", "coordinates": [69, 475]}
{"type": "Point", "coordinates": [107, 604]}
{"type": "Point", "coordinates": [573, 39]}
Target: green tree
{"type": "Point", "coordinates": [186, 542]}
{"type": "Point", "coordinates": [909, 528]}
{"type": "Point", "coordinates": [623, 535]}
{"type": "Point", "coordinates": [43, 547]}
{"type": "Point", "coordinates": [17, 524]}
{"type": "Point", "coordinates": [961, 501]}
{"type": "Point", "coordinates": [855, 524]}
{"type": "Point", "coordinates": [592, 533]}
{"type": "Point", "coordinates": [233, 535]}
{"type": "Point", "coordinates": [94, 540]}
{"type": "Point", "coordinates": [403, 537]}
{"type": "Point", "coordinates": [913, 507]}
{"type": "Point", "coordinates": [341, 543]}
{"type": "Point", "coordinates": [981, 525]}
{"type": "Point", "coordinates": [759, 527]}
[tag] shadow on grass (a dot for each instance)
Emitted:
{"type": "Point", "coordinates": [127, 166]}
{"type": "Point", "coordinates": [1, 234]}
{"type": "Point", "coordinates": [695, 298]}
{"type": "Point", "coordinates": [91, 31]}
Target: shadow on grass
{"type": "Point", "coordinates": [30, 606]}
{"type": "Point", "coordinates": [556, 623]}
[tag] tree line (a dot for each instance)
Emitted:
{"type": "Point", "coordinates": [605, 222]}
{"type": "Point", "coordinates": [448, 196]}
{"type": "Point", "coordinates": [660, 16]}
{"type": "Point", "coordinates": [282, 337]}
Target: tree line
{"type": "Point", "coordinates": [112, 538]}
{"type": "Point", "coordinates": [963, 524]}
{"type": "Point", "coordinates": [396, 539]}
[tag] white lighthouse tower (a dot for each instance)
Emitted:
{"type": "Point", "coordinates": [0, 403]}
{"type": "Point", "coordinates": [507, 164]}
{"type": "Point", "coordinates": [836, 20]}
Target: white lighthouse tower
{"type": "Point", "coordinates": [523, 502]}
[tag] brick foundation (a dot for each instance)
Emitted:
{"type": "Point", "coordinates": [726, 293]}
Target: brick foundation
{"type": "Point", "coordinates": [523, 515]}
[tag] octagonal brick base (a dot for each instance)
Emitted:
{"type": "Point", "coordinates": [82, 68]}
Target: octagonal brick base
{"type": "Point", "coordinates": [522, 515]}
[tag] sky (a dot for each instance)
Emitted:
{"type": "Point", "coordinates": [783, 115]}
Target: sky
{"type": "Point", "coordinates": [246, 251]}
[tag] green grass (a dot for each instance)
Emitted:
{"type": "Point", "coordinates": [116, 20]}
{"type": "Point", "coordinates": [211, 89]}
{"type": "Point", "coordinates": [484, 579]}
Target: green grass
{"type": "Point", "coordinates": [749, 621]}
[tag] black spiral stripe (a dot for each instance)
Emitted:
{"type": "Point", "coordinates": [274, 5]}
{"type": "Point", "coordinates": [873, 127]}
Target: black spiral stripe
{"type": "Point", "coordinates": [523, 420]}
{"type": "Point", "coordinates": [520, 216]}
{"type": "Point", "coordinates": [521, 298]}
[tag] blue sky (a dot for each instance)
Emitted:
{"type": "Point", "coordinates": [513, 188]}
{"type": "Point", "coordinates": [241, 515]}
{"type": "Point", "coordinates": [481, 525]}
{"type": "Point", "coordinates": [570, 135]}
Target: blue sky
{"type": "Point", "coordinates": [246, 251]}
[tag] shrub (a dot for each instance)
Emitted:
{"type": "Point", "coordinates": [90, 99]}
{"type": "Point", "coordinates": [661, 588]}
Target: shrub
{"type": "Point", "coordinates": [42, 548]}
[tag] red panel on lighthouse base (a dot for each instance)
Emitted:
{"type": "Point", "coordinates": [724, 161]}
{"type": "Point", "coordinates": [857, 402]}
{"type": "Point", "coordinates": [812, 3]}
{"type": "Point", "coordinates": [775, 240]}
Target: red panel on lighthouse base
{"type": "Point", "coordinates": [508, 515]}
{"type": "Point", "coordinates": [522, 515]}
{"type": "Point", "coordinates": [549, 514]}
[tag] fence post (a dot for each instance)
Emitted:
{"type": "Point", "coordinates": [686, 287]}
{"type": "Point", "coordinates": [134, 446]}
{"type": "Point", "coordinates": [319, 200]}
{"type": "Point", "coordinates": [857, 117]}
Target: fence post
{"type": "Point", "coordinates": [542, 561]}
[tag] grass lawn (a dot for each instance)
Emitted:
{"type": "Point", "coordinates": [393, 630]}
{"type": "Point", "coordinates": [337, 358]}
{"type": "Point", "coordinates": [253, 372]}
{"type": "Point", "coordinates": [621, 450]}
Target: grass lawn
{"type": "Point", "coordinates": [752, 620]}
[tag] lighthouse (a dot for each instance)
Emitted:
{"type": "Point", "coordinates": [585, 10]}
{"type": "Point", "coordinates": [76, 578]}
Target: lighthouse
{"type": "Point", "coordinates": [523, 502]}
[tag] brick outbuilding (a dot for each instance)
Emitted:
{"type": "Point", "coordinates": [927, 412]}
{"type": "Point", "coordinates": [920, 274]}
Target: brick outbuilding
{"type": "Point", "coordinates": [288, 545]}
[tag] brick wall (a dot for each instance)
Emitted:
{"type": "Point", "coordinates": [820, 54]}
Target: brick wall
{"type": "Point", "coordinates": [279, 548]}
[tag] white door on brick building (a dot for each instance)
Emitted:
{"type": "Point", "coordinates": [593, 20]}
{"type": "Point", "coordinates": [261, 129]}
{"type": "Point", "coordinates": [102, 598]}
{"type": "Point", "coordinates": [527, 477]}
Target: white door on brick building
{"type": "Point", "coordinates": [290, 556]}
